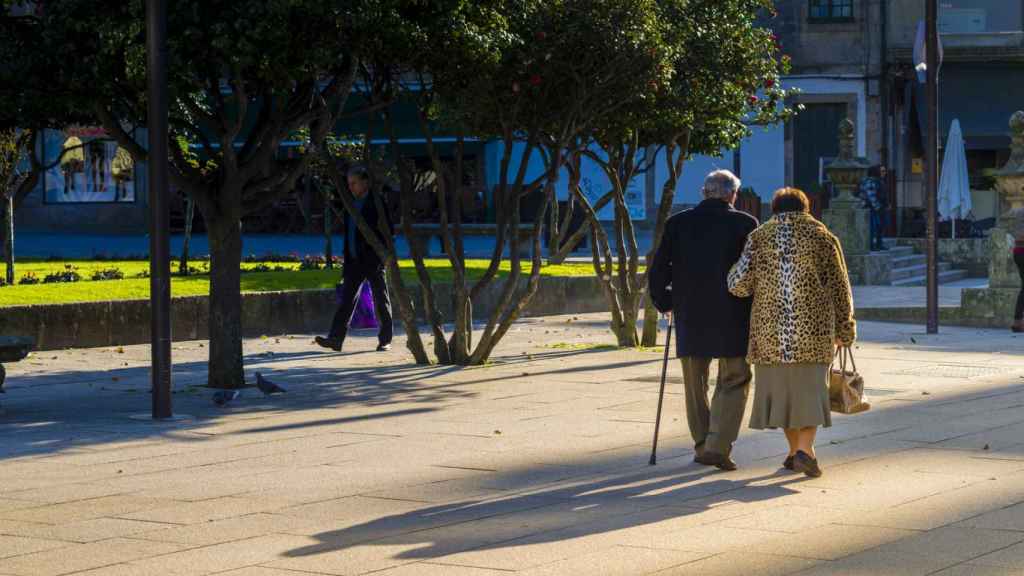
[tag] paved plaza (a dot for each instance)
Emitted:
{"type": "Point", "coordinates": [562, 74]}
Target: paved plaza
{"type": "Point", "coordinates": [535, 464]}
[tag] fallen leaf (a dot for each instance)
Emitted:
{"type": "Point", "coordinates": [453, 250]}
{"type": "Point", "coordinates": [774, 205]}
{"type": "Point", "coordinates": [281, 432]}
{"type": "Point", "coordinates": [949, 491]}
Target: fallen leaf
{"type": "Point", "coordinates": [985, 447]}
{"type": "Point", "coordinates": [912, 340]}
{"type": "Point", "coordinates": [926, 393]}
{"type": "Point", "coordinates": [526, 373]}
{"type": "Point", "coordinates": [497, 432]}
{"type": "Point", "coordinates": [202, 346]}
{"type": "Point", "coordinates": [120, 349]}
{"type": "Point", "coordinates": [120, 471]}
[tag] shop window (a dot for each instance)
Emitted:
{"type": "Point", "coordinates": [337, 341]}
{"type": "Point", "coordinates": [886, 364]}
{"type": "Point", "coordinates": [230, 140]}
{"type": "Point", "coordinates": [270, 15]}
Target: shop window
{"type": "Point", "coordinates": [87, 166]}
{"type": "Point", "coordinates": [830, 11]}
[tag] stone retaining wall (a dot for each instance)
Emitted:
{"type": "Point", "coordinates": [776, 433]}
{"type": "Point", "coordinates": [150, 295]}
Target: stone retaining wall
{"type": "Point", "coordinates": [93, 324]}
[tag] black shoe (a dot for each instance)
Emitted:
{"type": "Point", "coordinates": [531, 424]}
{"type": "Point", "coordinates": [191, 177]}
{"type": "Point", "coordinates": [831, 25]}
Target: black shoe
{"type": "Point", "coordinates": [788, 463]}
{"type": "Point", "coordinates": [804, 463]}
{"type": "Point", "coordinates": [331, 343]}
{"type": "Point", "coordinates": [698, 453]}
{"type": "Point", "coordinates": [720, 461]}
{"type": "Point", "coordinates": [384, 347]}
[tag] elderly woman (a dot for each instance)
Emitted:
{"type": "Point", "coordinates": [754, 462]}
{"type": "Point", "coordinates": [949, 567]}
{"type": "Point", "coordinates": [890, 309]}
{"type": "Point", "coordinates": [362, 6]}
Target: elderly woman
{"type": "Point", "coordinates": [794, 268]}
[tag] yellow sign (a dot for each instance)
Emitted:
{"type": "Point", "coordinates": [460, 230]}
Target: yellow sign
{"type": "Point", "coordinates": [917, 166]}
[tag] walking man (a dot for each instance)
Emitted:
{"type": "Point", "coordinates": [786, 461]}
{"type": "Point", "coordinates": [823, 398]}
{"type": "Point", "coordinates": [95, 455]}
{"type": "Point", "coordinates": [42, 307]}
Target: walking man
{"type": "Point", "coordinates": [688, 278]}
{"type": "Point", "coordinates": [361, 264]}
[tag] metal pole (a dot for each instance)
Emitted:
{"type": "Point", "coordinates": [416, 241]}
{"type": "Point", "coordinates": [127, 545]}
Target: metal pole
{"type": "Point", "coordinates": [159, 245]}
{"type": "Point", "coordinates": [932, 37]}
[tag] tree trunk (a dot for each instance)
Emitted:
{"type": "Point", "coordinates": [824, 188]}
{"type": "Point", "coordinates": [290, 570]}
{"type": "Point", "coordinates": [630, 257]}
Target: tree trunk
{"type": "Point", "coordinates": [328, 228]}
{"type": "Point", "coordinates": [190, 209]}
{"type": "Point", "coordinates": [407, 313]}
{"type": "Point", "coordinates": [674, 166]}
{"type": "Point", "coordinates": [9, 237]}
{"type": "Point", "coordinates": [225, 363]}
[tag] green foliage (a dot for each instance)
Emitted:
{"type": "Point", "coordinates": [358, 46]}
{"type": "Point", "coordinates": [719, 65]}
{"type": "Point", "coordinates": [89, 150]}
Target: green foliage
{"type": "Point", "coordinates": [68, 274]}
{"type": "Point", "coordinates": [727, 72]}
{"type": "Point", "coordinates": [107, 274]}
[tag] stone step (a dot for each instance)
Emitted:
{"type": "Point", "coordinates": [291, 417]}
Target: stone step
{"type": "Point", "coordinates": [915, 270]}
{"type": "Point", "coordinates": [944, 278]}
{"type": "Point", "coordinates": [908, 260]}
{"type": "Point", "coordinates": [897, 251]}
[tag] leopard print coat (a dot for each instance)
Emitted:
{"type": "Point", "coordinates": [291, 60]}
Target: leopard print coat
{"type": "Point", "coordinates": [795, 270]}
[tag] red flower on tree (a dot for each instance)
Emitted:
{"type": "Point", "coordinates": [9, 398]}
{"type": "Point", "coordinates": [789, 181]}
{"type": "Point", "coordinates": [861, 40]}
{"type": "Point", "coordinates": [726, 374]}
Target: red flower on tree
{"type": "Point", "coordinates": [752, 99]}
{"type": "Point", "coordinates": [769, 83]}
{"type": "Point", "coordinates": [535, 80]}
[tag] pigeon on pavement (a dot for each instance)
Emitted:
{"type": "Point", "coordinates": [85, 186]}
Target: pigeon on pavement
{"type": "Point", "coordinates": [223, 397]}
{"type": "Point", "coordinates": [266, 386]}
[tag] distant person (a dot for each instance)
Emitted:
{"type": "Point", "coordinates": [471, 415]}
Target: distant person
{"type": "Point", "coordinates": [803, 307]}
{"type": "Point", "coordinates": [688, 279]}
{"type": "Point", "coordinates": [875, 196]}
{"type": "Point", "coordinates": [361, 264]}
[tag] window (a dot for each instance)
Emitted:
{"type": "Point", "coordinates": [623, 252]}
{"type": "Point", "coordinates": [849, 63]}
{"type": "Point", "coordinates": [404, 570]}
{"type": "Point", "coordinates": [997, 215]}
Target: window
{"type": "Point", "coordinates": [831, 10]}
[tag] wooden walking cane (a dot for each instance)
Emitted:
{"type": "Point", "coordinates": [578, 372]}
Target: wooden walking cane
{"type": "Point", "coordinates": [661, 394]}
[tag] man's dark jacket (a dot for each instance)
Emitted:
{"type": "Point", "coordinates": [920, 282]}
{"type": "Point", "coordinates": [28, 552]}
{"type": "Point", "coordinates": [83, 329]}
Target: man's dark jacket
{"type": "Point", "coordinates": [365, 259]}
{"type": "Point", "coordinates": [688, 276]}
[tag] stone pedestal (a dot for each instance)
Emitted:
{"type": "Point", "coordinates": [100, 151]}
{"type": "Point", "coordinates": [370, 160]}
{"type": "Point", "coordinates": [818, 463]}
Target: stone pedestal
{"type": "Point", "coordinates": [852, 225]}
{"type": "Point", "coordinates": [1002, 272]}
{"type": "Point", "coordinates": [846, 217]}
{"type": "Point", "coordinates": [996, 303]}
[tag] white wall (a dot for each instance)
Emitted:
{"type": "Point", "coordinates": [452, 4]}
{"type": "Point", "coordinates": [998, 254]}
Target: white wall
{"type": "Point", "coordinates": [762, 167]}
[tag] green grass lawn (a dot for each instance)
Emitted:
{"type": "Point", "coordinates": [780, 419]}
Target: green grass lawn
{"type": "Point", "coordinates": [138, 288]}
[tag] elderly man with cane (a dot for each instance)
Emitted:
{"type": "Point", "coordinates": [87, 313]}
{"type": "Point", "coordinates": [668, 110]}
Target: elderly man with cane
{"type": "Point", "coordinates": [688, 279]}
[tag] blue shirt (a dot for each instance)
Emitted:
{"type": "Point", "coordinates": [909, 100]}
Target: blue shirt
{"type": "Point", "coordinates": [351, 229]}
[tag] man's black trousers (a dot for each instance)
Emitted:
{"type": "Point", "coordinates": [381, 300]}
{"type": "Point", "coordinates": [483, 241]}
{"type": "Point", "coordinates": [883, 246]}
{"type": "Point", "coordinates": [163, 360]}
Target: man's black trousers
{"type": "Point", "coordinates": [352, 280]}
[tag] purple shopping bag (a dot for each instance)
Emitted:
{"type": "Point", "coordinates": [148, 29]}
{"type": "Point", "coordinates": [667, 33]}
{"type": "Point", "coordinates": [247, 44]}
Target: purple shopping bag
{"type": "Point", "coordinates": [364, 316]}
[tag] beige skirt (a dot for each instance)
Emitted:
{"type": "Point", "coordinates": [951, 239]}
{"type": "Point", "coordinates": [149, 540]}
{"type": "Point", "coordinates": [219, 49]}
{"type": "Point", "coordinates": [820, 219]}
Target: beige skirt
{"type": "Point", "coordinates": [790, 396]}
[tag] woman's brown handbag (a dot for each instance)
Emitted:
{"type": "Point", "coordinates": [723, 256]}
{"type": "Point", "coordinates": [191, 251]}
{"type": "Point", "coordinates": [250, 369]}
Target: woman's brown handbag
{"type": "Point", "coordinates": [845, 385]}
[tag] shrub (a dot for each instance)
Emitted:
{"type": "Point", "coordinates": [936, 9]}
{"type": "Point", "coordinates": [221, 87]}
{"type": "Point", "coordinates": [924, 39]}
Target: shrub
{"type": "Point", "coordinates": [108, 274]}
{"type": "Point", "coordinates": [69, 274]}
{"type": "Point", "coordinates": [312, 263]}
{"type": "Point", "coordinates": [29, 278]}
{"type": "Point", "coordinates": [143, 274]}
{"type": "Point", "coordinates": [3, 282]}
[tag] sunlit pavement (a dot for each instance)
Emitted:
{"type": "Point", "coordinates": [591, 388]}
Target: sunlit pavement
{"type": "Point", "coordinates": [535, 464]}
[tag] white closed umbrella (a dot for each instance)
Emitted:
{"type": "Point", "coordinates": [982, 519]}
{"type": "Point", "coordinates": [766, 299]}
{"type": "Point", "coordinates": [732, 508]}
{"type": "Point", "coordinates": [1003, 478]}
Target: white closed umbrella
{"type": "Point", "coordinates": [954, 186]}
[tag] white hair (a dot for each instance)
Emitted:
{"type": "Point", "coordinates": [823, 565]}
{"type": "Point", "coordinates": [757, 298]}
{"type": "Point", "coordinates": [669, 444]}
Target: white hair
{"type": "Point", "coordinates": [721, 184]}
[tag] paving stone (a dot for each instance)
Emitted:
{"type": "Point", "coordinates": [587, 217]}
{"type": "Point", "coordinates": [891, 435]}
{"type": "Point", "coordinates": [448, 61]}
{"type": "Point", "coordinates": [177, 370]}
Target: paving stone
{"type": "Point", "coordinates": [225, 530]}
{"type": "Point", "coordinates": [18, 545]}
{"type": "Point", "coordinates": [741, 564]}
{"type": "Point", "coordinates": [66, 493]}
{"type": "Point", "coordinates": [80, 557]}
{"type": "Point", "coordinates": [1009, 557]}
{"type": "Point", "coordinates": [84, 531]}
{"type": "Point", "coordinates": [206, 510]}
{"type": "Point", "coordinates": [976, 570]}
{"type": "Point", "coordinates": [371, 463]}
{"type": "Point", "coordinates": [948, 545]}
{"type": "Point", "coordinates": [86, 509]}
{"type": "Point", "coordinates": [616, 561]}
{"type": "Point", "coordinates": [429, 569]}
{"type": "Point", "coordinates": [830, 542]}
{"type": "Point", "coordinates": [222, 557]}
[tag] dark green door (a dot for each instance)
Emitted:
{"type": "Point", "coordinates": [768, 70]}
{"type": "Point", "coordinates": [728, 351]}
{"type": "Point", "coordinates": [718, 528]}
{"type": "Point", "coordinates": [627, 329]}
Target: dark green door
{"type": "Point", "coordinates": [815, 136]}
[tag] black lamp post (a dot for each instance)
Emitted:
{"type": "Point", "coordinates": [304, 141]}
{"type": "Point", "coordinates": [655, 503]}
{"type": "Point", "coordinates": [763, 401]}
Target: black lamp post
{"type": "Point", "coordinates": [159, 243]}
